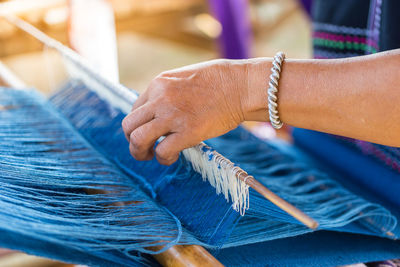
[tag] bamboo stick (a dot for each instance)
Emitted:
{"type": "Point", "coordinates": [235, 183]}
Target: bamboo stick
{"type": "Point", "coordinates": [8, 78]}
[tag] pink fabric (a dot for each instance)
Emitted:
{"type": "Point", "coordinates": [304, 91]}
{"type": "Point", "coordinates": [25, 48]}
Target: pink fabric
{"type": "Point", "coordinates": [344, 38]}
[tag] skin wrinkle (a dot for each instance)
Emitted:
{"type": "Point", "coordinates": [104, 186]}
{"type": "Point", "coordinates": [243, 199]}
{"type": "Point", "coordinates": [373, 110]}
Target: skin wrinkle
{"type": "Point", "coordinates": [354, 97]}
{"type": "Point", "coordinates": [247, 92]}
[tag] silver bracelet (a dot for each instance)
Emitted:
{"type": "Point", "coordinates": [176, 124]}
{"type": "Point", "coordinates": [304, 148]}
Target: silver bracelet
{"type": "Point", "coordinates": [273, 90]}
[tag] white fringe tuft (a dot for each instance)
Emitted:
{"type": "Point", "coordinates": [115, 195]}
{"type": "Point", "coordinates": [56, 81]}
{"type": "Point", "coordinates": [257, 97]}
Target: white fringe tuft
{"type": "Point", "coordinates": [221, 173]}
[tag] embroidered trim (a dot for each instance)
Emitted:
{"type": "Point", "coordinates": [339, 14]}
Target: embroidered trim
{"type": "Point", "coordinates": [374, 23]}
{"type": "Point", "coordinates": [317, 26]}
{"type": "Point", "coordinates": [343, 45]}
{"type": "Point", "coordinates": [343, 38]}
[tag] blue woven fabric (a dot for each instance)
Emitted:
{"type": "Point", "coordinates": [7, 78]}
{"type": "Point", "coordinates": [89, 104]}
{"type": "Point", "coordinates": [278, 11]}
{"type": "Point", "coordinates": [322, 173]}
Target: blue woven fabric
{"type": "Point", "coordinates": [375, 176]}
{"type": "Point", "coordinates": [47, 170]}
{"type": "Point", "coordinates": [306, 187]}
{"type": "Point", "coordinates": [319, 249]}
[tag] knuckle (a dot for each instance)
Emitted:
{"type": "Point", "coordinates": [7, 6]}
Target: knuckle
{"type": "Point", "coordinates": [161, 161]}
{"type": "Point", "coordinates": [161, 75]}
{"type": "Point", "coordinates": [125, 123]}
{"type": "Point", "coordinates": [165, 161]}
{"type": "Point", "coordinates": [163, 83]}
{"type": "Point", "coordinates": [166, 74]}
{"type": "Point", "coordinates": [138, 155]}
{"type": "Point", "coordinates": [166, 156]}
{"type": "Point", "coordinates": [163, 153]}
{"type": "Point", "coordinates": [160, 80]}
{"type": "Point", "coordinates": [137, 140]}
{"type": "Point", "coordinates": [133, 151]}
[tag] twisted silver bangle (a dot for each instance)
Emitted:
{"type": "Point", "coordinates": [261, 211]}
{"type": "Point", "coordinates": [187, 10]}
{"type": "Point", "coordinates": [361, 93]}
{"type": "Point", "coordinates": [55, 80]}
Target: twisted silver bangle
{"type": "Point", "coordinates": [273, 90]}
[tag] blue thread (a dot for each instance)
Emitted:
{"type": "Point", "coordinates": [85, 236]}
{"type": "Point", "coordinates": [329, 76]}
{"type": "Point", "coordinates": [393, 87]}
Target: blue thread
{"type": "Point", "coordinates": [44, 169]}
{"type": "Point", "coordinates": [45, 165]}
{"type": "Point", "coordinates": [301, 185]}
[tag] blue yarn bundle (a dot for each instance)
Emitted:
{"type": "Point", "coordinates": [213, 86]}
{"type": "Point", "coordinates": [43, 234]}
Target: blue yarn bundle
{"type": "Point", "coordinates": [364, 170]}
{"type": "Point", "coordinates": [51, 162]}
{"type": "Point", "coordinates": [195, 203]}
{"type": "Point", "coordinates": [46, 173]}
{"type": "Point", "coordinates": [70, 190]}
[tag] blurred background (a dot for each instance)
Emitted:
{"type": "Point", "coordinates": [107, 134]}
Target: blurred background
{"type": "Point", "coordinates": [131, 41]}
{"type": "Point", "coordinates": [156, 35]}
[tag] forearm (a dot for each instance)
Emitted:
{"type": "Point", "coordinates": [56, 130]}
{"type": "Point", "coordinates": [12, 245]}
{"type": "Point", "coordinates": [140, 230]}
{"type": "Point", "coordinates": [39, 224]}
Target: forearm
{"type": "Point", "coordinates": [355, 97]}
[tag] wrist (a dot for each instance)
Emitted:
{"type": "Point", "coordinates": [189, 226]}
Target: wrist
{"type": "Point", "coordinates": [255, 99]}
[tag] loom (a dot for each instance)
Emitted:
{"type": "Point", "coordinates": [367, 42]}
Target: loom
{"type": "Point", "coordinates": [71, 191]}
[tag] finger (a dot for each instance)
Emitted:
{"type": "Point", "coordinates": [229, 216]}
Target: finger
{"type": "Point", "coordinates": [142, 99]}
{"type": "Point", "coordinates": [142, 139]}
{"type": "Point", "coordinates": [167, 151]}
{"type": "Point", "coordinates": [136, 118]}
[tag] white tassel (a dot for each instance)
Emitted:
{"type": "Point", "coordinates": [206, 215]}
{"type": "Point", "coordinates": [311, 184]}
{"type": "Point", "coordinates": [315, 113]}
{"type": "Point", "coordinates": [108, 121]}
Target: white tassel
{"type": "Point", "coordinates": [221, 173]}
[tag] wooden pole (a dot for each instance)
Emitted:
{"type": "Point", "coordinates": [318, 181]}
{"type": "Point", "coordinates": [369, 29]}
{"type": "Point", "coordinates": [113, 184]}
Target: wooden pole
{"type": "Point", "coordinates": [178, 255]}
{"type": "Point", "coordinates": [183, 255]}
{"type": "Point", "coordinates": [8, 78]}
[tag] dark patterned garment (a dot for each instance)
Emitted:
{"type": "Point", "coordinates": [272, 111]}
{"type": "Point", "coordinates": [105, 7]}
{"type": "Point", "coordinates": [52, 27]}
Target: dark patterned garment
{"type": "Point", "coordinates": [344, 28]}
{"type": "Point", "coordinates": [347, 28]}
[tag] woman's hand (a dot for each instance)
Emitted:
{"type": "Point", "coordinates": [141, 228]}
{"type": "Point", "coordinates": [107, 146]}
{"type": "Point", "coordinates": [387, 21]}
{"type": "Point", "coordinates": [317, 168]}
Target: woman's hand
{"type": "Point", "coordinates": [353, 97]}
{"type": "Point", "coordinates": [189, 105]}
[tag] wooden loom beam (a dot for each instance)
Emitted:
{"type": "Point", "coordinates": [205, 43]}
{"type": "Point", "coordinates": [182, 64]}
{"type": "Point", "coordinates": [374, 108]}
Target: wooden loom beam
{"type": "Point", "coordinates": [9, 79]}
{"type": "Point", "coordinates": [187, 255]}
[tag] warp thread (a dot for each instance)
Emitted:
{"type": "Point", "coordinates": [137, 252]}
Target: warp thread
{"type": "Point", "coordinates": [307, 188]}
{"type": "Point", "coordinates": [47, 167]}
{"type": "Point", "coordinates": [46, 170]}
